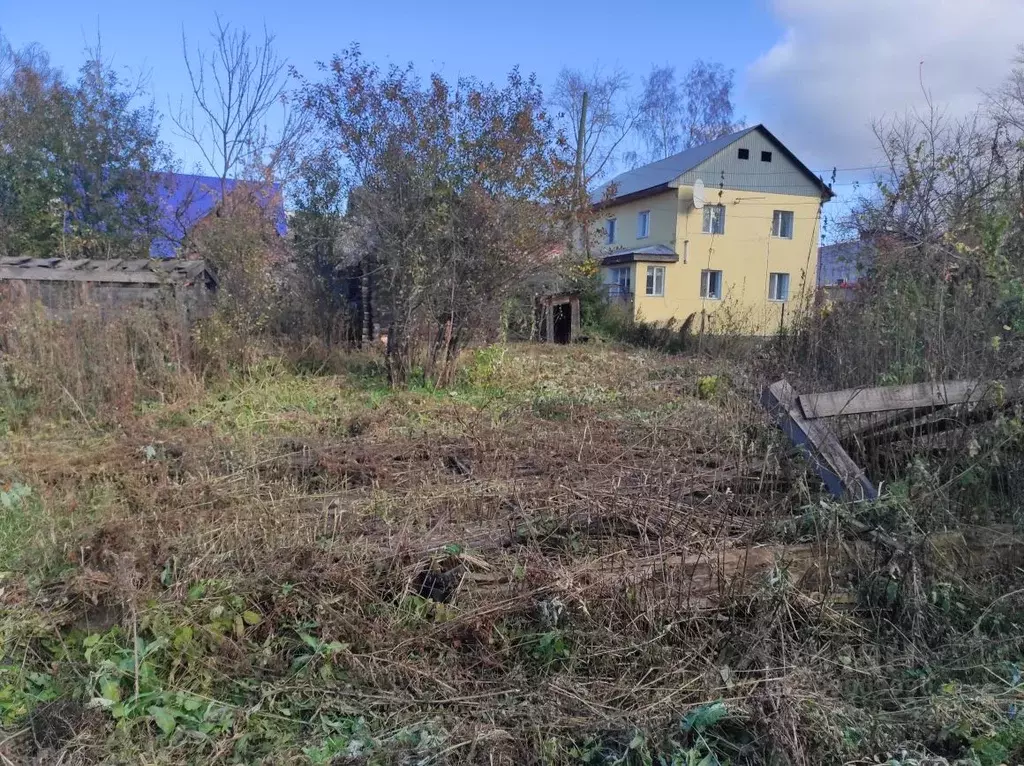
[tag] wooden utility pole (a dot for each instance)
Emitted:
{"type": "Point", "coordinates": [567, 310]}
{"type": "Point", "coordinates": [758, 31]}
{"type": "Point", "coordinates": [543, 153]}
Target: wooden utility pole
{"type": "Point", "coordinates": [581, 137]}
{"type": "Point", "coordinates": [366, 302]}
{"type": "Point", "coordinates": [578, 185]}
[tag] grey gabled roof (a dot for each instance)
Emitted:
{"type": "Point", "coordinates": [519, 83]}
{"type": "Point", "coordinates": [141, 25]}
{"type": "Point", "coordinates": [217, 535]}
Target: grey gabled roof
{"type": "Point", "coordinates": [661, 173]}
{"type": "Point", "coordinates": [657, 176]}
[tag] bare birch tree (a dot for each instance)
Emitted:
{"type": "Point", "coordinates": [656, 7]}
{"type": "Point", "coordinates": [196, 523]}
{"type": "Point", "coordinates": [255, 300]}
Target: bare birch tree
{"type": "Point", "coordinates": [660, 114]}
{"type": "Point", "coordinates": [611, 116]}
{"type": "Point", "coordinates": [235, 85]}
{"type": "Point", "coordinates": [708, 111]}
{"type": "Point", "coordinates": [678, 115]}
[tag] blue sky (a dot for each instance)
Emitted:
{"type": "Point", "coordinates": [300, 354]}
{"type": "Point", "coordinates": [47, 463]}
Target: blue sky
{"type": "Point", "coordinates": [455, 37]}
{"type": "Point", "coordinates": [816, 72]}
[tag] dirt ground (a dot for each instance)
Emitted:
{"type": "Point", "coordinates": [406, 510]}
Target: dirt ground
{"type": "Point", "coordinates": [578, 555]}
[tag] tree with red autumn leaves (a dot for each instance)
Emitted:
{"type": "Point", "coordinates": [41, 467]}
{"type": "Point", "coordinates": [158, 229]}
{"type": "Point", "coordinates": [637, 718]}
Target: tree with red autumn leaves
{"type": "Point", "coordinates": [460, 185]}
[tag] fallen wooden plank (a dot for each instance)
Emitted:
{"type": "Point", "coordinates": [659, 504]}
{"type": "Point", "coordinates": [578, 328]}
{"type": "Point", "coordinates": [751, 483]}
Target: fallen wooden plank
{"type": "Point", "coordinates": [861, 401]}
{"type": "Point", "coordinates": [862, 427]}
{"type": "Point", "coordinates": [697, 580]}
{"type": "Point", "coordinates": [939, 422]}
{"type": "Point", "coordinates": [842, 476]}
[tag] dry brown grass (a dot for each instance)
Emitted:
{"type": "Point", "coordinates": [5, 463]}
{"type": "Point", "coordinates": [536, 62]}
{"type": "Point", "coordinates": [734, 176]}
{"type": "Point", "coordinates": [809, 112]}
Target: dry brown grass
{"type": "Point", "coordinates": [84, 363]}
{"type": "Point", "coordinates": [565, 556]}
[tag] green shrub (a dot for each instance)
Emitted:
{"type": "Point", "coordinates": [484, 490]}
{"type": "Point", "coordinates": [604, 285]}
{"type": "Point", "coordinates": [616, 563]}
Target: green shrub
{"type": "Point", "coordinates": [671, 337]}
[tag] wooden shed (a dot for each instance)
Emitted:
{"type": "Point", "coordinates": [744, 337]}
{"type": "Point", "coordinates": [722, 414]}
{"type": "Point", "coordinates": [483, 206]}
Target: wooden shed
{"type": "Point", "coordinates": [558, 317]}
{"type": "Point", "coordinates": [111, 284]}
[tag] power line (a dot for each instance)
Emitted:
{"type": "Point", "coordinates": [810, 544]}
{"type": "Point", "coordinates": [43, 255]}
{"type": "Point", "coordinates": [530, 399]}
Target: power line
{"type": "Point", "coordinates": [852, 170]}
{"type": "Point", "coordinates": [829, 171]}
{"type": "Point", "coordinates": [713, 174]}
{"type": "Point", "coordinates": [749, 202]}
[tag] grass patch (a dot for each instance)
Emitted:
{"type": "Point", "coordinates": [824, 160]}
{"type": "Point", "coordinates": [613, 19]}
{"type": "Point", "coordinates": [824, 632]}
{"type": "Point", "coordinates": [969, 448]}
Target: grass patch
{"type": "Point", "coordinates": [552, 562]}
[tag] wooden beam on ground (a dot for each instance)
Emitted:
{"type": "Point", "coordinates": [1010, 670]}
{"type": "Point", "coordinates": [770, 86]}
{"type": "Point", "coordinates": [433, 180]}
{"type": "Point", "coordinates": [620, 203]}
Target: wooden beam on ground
{"type": "Point", "coordinates": [868, 426]}
{"type": "Point", "coordinates": [842, 476]}
{"type": "Point", "coordinates": [860, 401]}
{"type": "Point", "coordinates": [941, 422]}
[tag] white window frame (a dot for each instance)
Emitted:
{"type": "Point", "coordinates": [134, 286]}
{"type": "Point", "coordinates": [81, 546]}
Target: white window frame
{"type": "Point", "coordinates": [610, 231]}
{"type": "Point", "coordinates": [708, 224]}
{"type": "Point", "coordinates": [643, 224]}
{"type": "Point", "coordinates": [705, 284]}
{"type": "Point", "coordinates": [655, 286]}
{"type": "Point", "coordinates": [777, 218]}
{"type": "Point", "coordinates": [775, 294]}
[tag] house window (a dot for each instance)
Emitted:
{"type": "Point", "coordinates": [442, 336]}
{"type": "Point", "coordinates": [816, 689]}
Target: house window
{"type": "Point", "coordinates": [778, 287]}
{"type": "Point", "coordinates": [620, 282]}
{"type": "Point", "coordinates": [782, 224]}
{"type": "Point", "coordinates": [714, 219]}
{"type": "Point", "coordinates": [656, 280]}
{"type": "Point", "coordinates": [743, 154]}
{"type": "Point", "coordinates": [643, 224]}
{"type": "Point", "coordinates": [610, 231]}
{"type": "Point", "coordinates": [766, 156]}
{"type": "Point", "coordinates": [711, 284]}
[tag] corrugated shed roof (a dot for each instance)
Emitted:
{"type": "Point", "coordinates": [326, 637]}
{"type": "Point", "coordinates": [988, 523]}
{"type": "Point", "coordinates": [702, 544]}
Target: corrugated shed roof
{"type": "Point", "coordinates": [118, 271]}
{"type": "Point", "coordinates": [652, 253]}
{"type": "Point", "coordinates": [659, 175]}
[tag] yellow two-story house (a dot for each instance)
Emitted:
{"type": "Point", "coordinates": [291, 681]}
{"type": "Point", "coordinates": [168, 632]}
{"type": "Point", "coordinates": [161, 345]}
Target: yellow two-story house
{"type": "Point", "coordinates": [727, 231]}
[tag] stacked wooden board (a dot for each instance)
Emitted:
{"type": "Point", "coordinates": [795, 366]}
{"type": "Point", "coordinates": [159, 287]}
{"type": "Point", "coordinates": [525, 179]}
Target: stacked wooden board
{"type": "Point", "coordinates": [885, 411]}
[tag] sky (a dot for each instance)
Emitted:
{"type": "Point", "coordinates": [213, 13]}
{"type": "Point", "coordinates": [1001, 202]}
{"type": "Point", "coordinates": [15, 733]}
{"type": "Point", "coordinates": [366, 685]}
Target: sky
{"type": "Point", "coordinates": [817, 73]}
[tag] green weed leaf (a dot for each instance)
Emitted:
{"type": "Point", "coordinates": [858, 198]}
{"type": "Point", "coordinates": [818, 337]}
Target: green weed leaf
{"type": "Point", "coordinates": [310, 641]}
{"type": "Point", "coordinates": [192, 704]}
{"type": "Point", "coordinates": [197, 591]}
{"type": "Point", "coordinates": [251, 618]}
{"type": "Point", "coordinates": [163, 718]}
{"type": "Point", "coordinates": [110, 690]}
{"type": "Point", "coordinates": [704, 717]}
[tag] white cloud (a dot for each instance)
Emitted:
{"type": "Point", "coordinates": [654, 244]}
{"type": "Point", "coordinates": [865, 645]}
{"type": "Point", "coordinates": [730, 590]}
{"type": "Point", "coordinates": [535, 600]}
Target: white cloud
{"type": "Point", "coordinates": [843, 63]}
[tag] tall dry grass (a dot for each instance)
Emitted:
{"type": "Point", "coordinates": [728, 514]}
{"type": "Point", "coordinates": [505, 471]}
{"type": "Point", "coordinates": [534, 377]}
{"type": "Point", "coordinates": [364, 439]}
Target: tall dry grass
{"type": "Point", "coordinates": [604, 561]}
{"type": "Point", "coordinates": [920, 316]}
{"type": "Point", "coordinates": [90, 362]}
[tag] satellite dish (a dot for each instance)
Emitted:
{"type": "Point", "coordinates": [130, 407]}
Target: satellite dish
{"type": "Point", "coordinates": [698, 194]}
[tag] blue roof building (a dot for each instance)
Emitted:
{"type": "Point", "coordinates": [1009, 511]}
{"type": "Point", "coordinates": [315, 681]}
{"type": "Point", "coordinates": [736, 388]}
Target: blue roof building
{"type": "Point", "coordinates": [184, 200]}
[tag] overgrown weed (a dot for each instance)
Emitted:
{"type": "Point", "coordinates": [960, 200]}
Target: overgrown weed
{"type": "Point", "coordinates": [86, 365]}
{"type": "Point", "coordinates": [299, 567]}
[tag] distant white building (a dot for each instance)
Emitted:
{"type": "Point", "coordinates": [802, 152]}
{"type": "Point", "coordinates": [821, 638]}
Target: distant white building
{"type": "Point", "coordinates": [844, 264]}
